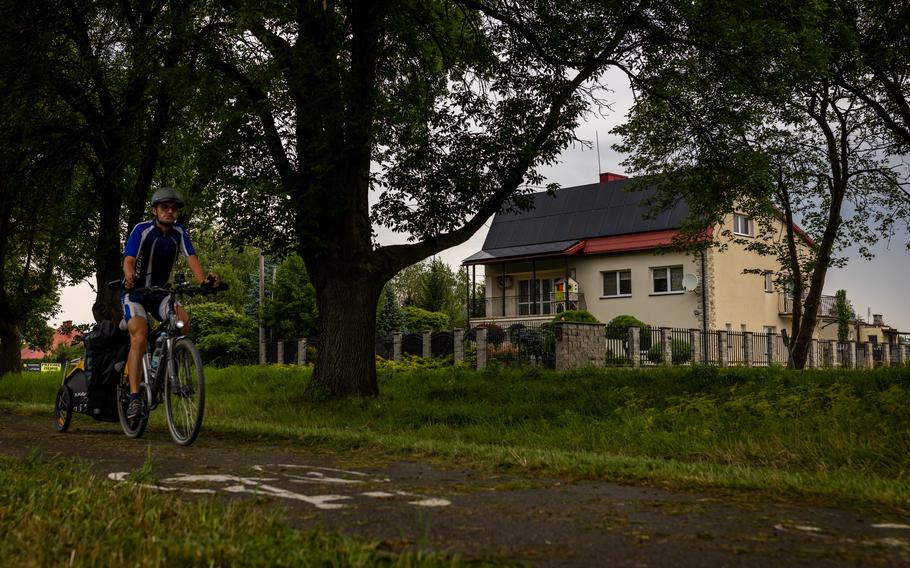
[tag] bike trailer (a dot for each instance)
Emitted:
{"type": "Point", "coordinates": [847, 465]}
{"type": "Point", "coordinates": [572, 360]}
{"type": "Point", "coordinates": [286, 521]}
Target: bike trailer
{"type": "Point", "coordinates": [90, 387]}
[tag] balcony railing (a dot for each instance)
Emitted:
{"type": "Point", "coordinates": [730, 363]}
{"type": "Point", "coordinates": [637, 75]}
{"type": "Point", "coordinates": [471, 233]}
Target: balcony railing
{"type": "Point", "coordinates": [543, 305]}
{"type": "Point", "coordinates": [827, 306]}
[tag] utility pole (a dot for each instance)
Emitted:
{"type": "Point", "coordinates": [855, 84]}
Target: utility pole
{"type": "Point", "coordinates": [261, 307]}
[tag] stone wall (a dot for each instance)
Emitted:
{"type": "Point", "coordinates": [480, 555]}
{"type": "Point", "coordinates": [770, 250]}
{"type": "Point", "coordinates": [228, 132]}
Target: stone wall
{"type": "Point", "coordinates": [579, 345]}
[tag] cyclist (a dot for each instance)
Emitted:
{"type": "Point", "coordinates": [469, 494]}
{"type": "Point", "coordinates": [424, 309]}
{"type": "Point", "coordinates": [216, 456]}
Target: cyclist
{"type": "Point", "coordinates": [148, 258]}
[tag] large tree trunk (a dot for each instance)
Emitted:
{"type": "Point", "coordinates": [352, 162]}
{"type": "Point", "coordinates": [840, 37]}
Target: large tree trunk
{"type": "Point", "coordinates": [346, 353]}
{"type": "Point", "coordinates": [9, 348]}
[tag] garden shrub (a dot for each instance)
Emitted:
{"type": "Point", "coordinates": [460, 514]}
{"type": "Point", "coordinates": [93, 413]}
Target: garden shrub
{"type": "Point", "coordinates": [679, 349]}
{"type": "Point", "coordinates": [224, 335]}
{"type": "Point", "coordinates": [417, 320]}
{"type": "Point", "coordinates": [495, 334]}
{"type": "Point", "coordinates": [618, 328]}
{"type": "Point", "coordinates": [579, 316]}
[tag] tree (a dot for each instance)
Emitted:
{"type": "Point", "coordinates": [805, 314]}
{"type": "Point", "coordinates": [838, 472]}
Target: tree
{"type": "Point", "coordinates": [445, 108]}
{"type": "Point", "coordinates": [291, 311]}
{"type": "Point", "coordinates": [117, 67]}
{"type": "Point", "coordinates": [389, 318]}
{"type": "Point", "coordinates": [875, 66]}
{"type": "Point", "coordinates": [742, 121]}
{"type": "Point", "coordinates": [39, 248]}
{"type": "Point", "coordinates": [843, 316]}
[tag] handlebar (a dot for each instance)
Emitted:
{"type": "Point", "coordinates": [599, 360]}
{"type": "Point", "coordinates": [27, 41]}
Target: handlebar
{"type": "Point", "coordinates": [182, 289]}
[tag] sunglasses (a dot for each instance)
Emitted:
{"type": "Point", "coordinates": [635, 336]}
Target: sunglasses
{"type": "Point", "coordinates": [169, 207]}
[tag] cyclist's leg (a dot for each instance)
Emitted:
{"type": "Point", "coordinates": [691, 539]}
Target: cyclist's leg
{"type": "Point", "coordinates": [137, 324]}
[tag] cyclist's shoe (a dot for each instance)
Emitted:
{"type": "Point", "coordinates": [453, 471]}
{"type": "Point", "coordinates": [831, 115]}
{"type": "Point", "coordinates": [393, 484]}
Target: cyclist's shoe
{"type": "Point", "coordinates": [134, 410]}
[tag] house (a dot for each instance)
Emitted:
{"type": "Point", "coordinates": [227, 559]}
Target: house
{"type": "Point", "coordinates": [593, 247]}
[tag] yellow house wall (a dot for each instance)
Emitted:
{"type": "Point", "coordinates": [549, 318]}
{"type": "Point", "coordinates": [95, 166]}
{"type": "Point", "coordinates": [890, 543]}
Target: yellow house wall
{"type": "Point", "coordinates": [670, 310]}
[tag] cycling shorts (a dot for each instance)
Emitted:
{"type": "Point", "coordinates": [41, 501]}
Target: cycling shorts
{"type": "Point", "coordinates": [144, 303]}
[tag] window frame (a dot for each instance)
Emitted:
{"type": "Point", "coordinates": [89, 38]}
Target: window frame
{"type": "Point", "coordinates": [769, 282]}
{"type": "Point", "coordinates": [618, 280]}
{"type": "Point", "coordinates": [669, 277]}
{"type": "Point", "coordinates": [750, 232]}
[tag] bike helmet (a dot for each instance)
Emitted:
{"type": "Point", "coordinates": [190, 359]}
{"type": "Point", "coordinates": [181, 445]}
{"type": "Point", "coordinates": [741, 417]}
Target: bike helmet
{"type": "Point", "coordinates": [165, 195]}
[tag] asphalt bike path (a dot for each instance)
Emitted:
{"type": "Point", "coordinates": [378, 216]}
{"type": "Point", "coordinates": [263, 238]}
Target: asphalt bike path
{"type": "Point", "coordinates": [506, 519]}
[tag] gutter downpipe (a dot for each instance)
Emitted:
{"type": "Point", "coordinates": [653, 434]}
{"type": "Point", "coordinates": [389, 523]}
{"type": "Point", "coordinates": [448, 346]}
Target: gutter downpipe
{"type": "Point", "coordinates": [704, 307]}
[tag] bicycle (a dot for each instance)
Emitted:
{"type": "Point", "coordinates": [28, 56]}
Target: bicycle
{"type": "Point", "coordinates": [172, 368]}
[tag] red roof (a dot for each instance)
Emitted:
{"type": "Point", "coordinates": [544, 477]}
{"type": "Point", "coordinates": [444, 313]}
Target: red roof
{"type": "Point", "coordinates": [626, 243]}
{"type": "Point", "coordinates": [29, 354]}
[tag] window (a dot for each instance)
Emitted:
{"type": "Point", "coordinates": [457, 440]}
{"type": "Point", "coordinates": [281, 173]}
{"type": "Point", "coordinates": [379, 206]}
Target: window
{"type": "Point", "coordinates": [617, 283]}
{"type": "Point", "coordinates": [769, 282]}
{"type": "Point", "coordinates": [528, 304]}
{"type": "Point", "coordinates": [742, 225]}
{"type": "Point", "coordinates": [667, 280]}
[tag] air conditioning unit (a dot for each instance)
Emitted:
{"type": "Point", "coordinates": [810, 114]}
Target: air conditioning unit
{"type": "Point", "coordinates": [504, 281]}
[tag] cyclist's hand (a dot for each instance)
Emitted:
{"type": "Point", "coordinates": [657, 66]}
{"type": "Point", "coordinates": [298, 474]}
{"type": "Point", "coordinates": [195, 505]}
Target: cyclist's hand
{"type": "Point", "coordinates": [212, 281]}
{"type": "Point", "coordinates": [129, 281]}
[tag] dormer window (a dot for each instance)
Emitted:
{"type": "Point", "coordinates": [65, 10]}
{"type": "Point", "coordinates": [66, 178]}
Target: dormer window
{"type": "Point", "coordinates": [742, 225]}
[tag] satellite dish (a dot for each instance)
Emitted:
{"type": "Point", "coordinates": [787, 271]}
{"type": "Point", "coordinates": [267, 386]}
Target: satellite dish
{"type": "Point", "coordinates": [689, 282]}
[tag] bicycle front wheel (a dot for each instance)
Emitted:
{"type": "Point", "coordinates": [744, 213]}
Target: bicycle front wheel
{"type": "Point", "coordinates": [184, 393]}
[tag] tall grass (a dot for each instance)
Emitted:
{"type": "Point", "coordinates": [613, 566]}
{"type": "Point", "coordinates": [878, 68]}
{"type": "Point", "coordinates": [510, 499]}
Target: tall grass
{"type": "Point", "coordinates": [837, 433]}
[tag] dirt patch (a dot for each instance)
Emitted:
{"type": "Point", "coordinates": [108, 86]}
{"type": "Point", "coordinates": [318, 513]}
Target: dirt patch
{"type": "Point", "coordinates": [509, 519]}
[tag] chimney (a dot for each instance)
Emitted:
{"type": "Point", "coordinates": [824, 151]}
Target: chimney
{"type": "Point", "coordinates": [877, 320]}
{"type": "Point", "coordinates": [606, 177]}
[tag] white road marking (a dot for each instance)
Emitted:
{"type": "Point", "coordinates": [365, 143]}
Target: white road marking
{"type": "Point", "coordinates": [803, 528]}
{"type": "Point", "coordinates": [890, 526]}
{"type": "Point", "coordinates": [258, 485]}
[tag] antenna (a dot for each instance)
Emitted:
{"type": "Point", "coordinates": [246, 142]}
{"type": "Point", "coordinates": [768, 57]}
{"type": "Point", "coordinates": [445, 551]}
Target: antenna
{"type": "Point", "coordinates": [597, 139]}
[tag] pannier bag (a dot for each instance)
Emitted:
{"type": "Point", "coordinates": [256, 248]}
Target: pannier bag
{"type": "Point", "coordinates": [106, 348]}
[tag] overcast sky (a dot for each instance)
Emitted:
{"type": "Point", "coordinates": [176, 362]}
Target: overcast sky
{"type": "Point", "coordinates": [877, 287]}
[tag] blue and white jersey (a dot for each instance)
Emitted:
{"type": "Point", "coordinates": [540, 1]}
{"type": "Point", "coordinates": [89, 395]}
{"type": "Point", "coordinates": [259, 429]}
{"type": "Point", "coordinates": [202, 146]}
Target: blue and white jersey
{"type": "Point", "coordinates": [156, 252]}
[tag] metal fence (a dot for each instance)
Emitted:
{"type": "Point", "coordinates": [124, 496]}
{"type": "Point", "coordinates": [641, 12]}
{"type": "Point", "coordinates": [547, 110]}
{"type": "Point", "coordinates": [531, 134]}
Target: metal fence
{"type": "Point", "coordinates": [518, 344]}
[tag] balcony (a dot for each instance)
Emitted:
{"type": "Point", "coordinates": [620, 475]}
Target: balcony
{"type": "Point", "coordinates": [827, 307]}
{"type": "Point", "coordinates": [545, 306]}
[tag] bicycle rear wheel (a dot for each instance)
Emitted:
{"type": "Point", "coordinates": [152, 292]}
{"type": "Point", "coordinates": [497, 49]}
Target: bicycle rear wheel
{"type": "Point", "coordinates": [135, 427]}
{"type": "Point", "coordinates": [184, 393]}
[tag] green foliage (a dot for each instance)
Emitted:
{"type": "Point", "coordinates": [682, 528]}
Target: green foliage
{"type": "Point", "coordinates": [679, 349]}
{"type": "Point", "coordinates": [389, 317]}
{"type": "Point", "coordinates": [412, 363]}
{"type": "Point", "coordinates": [291, 310]}
{"type": "Point", "coordinates": [432, 286]}
{"type": "Point", "coordinates": [581, 316]}
{"type": "Point", "coordinates": [223, 335]}
{"type": "Point", "coordinates": [618, 328]}
{"type": "Point", "coordinates": [417, 320]}
{"type": "Point", "coordinates": [843, 316]}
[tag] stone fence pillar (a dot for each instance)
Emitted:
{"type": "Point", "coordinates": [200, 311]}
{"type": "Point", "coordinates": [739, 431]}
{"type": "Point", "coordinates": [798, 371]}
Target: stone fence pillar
{"type": "Point", "coordinates": [850, 361]}
{"type": "Point", "coordinates": [901, 354]}
{"type": "Point", "coordinates": [832, 354]}
{"type": "Point", "coordinates": [427, 345]}
{"type": "Point", "coordinates": [748, 355]}
{"type": "Point", "coordinates": [301, 351]}
{"type": "Point", "coordinates": [886, 355]}
{"type": "Point", "coordinates": [868, 356]}
{"type": "Point", "coordinates": [635, 347]}
{"type": "Point", "coordinates": [458, 345]}
{"type": "Point", "coordinates": [772, 348]}
{"type": "Point", "coordinates": [813, 360]}
{"type": "Point", "coordinates": [396, 346]}
{"type": "Point", "coordinates": [722, 349]}
{"type": "Point", "coordinates": [481, 348]}
{"type": "Point", "coordinates": [695, 346]}
{"type": "Point", "coordinates": [580, 345]}
{"type": "Point", "coordinates": [666, 349]}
